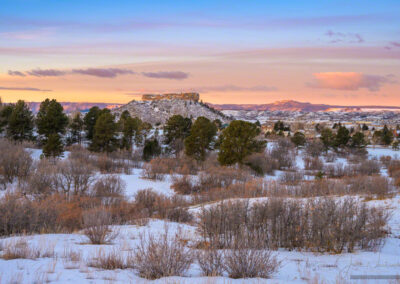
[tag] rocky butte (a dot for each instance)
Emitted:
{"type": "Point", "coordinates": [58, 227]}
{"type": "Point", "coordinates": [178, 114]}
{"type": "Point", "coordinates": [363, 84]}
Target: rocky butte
{"type": "Point", "coordinates": [157, 108]}
{"type": "Point", "coordinates": [172, 96]}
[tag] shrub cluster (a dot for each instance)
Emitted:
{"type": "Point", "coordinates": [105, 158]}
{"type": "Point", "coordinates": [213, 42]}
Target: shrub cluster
{"type": "Point", "coordinates": [319, 225]}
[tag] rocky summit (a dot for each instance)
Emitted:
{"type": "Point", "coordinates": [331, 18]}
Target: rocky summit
{"type": "Point", "coordinates": [156, 109]}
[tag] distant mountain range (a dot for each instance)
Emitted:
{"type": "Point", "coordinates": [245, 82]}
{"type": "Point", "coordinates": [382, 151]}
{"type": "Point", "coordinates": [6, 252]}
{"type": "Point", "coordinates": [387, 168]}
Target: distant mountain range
{"type": "Point", "coordinates": [290, 105]}
{"type": "Point", "coordinates": [286, 105]}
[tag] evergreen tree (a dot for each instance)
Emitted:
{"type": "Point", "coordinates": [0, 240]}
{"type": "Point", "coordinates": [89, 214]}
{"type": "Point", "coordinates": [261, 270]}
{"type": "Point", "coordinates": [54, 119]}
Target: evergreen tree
{"type": "Point", "coordinates": [298, 139]}
{"type": "Point", "coordinates": [89, 121]}
{"type": "Point", "coordinates": [387, 135]}
{"type": "Point", "coordinates": [151, 149]}
{"type": "Point", "coordinates": [201, 135]}
{"type": "Point", "coordinates": [104, 136]}
{"type": "Point", "coordinates": [5, 113]}
{"type": "Point", "coordinates": [342, 136]}
{"type": "Point", "coordinates": [238, 141]}
{"type": "Point", "coordinates": [76, 128]}
{"type": "Point", "coordinates": [364, 127]}
{"type": "Point", "coordinates": [358, 140]}
{"type": "Point", "coordinates": [130, 128]}
{"type": "Point", "coordinates": [20, 122]}
{"type": "Point", "coordinates": [177, 127]}
{"type": "Point", "coordinates": [53, 146]}
{"type": "Point", "coordinates": [51, 119]}
{"type": "Point", "coordinates": [327, 138]}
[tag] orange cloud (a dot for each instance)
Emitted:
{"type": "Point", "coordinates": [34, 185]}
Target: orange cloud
{"type": "Point", "coordinates": [350, 81]}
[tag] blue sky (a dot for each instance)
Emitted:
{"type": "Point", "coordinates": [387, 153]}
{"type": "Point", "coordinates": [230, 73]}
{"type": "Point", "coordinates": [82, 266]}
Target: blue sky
{"type": "Point", "coordinates": [318, 35]}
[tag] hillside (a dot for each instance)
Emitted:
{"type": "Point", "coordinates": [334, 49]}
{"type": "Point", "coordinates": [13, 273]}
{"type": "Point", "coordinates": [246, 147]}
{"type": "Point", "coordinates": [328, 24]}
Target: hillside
{"type": "Point", "coordinates": [158, 110]}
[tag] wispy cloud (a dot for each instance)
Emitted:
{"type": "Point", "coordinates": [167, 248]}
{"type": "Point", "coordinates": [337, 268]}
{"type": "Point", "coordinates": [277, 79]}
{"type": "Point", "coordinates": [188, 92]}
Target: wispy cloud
{"type": "Point", "coordinates": [174, 75]}
{"type": "Point", "coordinates": [96, 72]}
{"type": "Point", "coordinates": [350, 81]}
{"type": "Point", "coordinates": [16, 73]}
{"type": "Point", "coordinates": [335, 37]}
{"type": "Point", "coordinates": [24, 89]}
{"type": "Point", "coordinates": [46, 72]}
{"type": "Point", "coordinates": [103, 72]}
{"type": "Point", "coordinates": [393, 44]}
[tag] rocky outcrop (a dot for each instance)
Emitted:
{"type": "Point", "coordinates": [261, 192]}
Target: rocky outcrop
{"type": "Point", "coordinates": [157, 111]}
{"type": "Point", "coordinates": [172, 96]}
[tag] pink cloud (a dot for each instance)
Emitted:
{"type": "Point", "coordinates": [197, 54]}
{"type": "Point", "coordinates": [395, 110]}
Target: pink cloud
{"type": "Point", "coordinates": [23, 89]}
{"type": "Point", "coordinates": [175, 75]}
{"type": "Point", "coordinates": [46, 73]}
{"type": "Point", "coordinates": [103, 72]}
{"type": "Point", "coordinates": [349, 81]}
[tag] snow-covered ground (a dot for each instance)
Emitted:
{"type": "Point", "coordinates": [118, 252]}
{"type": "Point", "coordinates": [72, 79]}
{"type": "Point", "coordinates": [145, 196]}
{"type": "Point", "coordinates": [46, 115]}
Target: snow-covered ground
{"type": "Point", "coordinates": [296, 266]}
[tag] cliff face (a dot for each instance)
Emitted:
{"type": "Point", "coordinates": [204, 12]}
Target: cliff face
{"type": "Point", "coordinates": [172, 96]}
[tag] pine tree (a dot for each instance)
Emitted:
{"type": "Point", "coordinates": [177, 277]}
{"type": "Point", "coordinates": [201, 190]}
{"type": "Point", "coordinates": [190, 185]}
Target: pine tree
{"type": "Point", "coordinates": [151, 149]}
{"type": "Point", "coordinates": [327, 138]}
{"type": "Point", "coordinates": [298, 139]}
{"type": "Point", "coordinates": [89, 121]}
{"type": "Point", "coordinates": [104, 136]}
{"type": "Point", "coordinates": [177, 127]}
{"type": "Point", "coordinates": [342, 137]}
{"type": "Point", "coordinates": [387, 135]}
{"type": "Point", "coordinates": [238, 141]}
{"type": "Point", "coordinates": [130, 128]}
{"type": "Point", "coordinates": [201, 135]}
{"type": "Point", "coordinates": [51, 118]}
{"type": "Point", "coordinates": [53, 146]}
{"type": "Point", "coordinates": [76, 128]}
{"type": "Point", "coordinates": [20, 122]}
{"type": "Point", "coordinates": [358, 140]}
{"type": "Point", "coordinates": [5, 112]}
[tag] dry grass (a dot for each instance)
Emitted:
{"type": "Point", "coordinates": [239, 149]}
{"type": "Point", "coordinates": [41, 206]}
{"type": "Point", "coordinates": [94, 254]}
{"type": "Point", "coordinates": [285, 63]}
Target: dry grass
{"type": "Point", "coordinates": [108, 261]}
{"type": "Point", "coordinates": [20, 249]}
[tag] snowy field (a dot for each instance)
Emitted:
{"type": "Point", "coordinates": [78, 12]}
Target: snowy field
{"type": "Point", "coordinates": [296, 266]}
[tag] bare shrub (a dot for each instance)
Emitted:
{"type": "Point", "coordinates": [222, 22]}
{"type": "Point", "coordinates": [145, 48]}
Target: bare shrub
{"type": "Point", "coordinates": [242, 262]}
{"type": "Point", "coordinates": [211, 262]}
{"type": "Point", "coordinates": [162, 256]}
{"type": "Point", "coordinates": [262, 163]}
{"type": "Point", "coordinates": [42, 180]}
{"type": "Point", "coordinates": [220, 177]}
{"type": "Point", "coordinates": [145, 201]}
{"type": "Point", "coordinates": [179, 214]}
{"type": "Point", "coordinates": [154, 170]}
{"type": "Point", "coordinates": [330, 157]}
{"type": "Point", "coordinates": [314, 148]}
{"type": "Point", "coordinates": [374, 185]}
{"type": "Point", "coordinates": [51, 214]}
{"type": "Point", "coordinates": [184, 185]}
{"type": "Point", "coordinates": [323, 225]}
{"type": "Point", "coordinates": [291, 177]}
{"type": "Point", "coordinates": [15, 162]}
{"type": "Point", "coordinates": [108, 261]}
{"type": "Point", "coordinates": [109, 188]}
{"type": "Point", "coordinates": [97, 226]}
{"type": "Point", "coordinates": [313, 164]}
{"type": "Point", "coordinates": [284, 153]}
{"type": "Point", "coordinates": [337, 170]}
{"type": "Point", "coordinates": [367, 167]}
{"type": "Point", "coordinates": [75, 176]}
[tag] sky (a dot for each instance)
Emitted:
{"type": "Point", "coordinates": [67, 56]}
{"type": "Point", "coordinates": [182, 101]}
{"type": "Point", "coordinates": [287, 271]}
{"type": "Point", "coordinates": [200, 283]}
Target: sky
{"type": "Point", "coordinates": [241, 52]}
